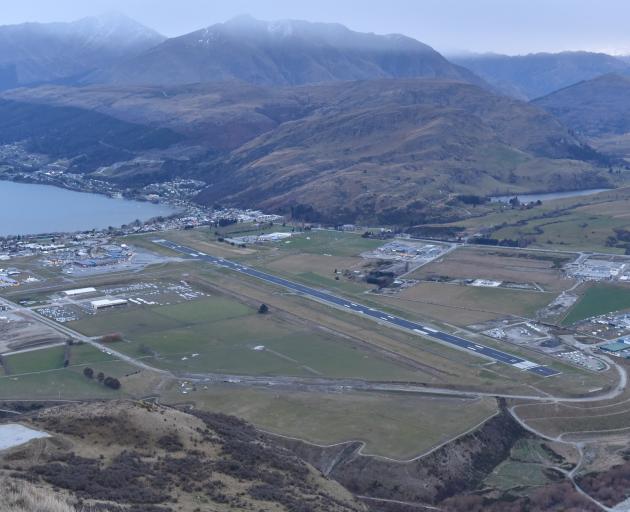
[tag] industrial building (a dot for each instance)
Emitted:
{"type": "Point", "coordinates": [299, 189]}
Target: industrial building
{"type": "Point", "coordinates": [107, 303]}
{"type": "Point", "coordinates": [615, 347]}
{"type": "Point", "coordinates": [78, 291]}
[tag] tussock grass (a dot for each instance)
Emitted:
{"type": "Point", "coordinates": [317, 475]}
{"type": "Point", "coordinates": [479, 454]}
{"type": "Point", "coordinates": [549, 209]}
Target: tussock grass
{"type": "Point", "coordinates": [20, 496]}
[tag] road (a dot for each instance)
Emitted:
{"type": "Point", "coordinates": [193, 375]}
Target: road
{"type": "Point", "coordinates": [371, 313]}
{"type": "Point", "coordinates": [78, 336]}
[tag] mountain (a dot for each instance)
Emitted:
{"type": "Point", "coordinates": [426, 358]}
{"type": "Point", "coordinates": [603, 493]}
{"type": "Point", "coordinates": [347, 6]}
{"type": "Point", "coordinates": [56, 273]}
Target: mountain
{"type": "Point", "coordinates": [399, 151]}
{"type": "Point", "coordinates": [593, 107]}
{"type": "Point", "coordinates": [220, 116]}
{"type": "Point", "coordinates": [389, 150]}
{"type": "Point", "coordinates": [287, 52]}
{"type": "Point", "coordinates": [534, 75]}
{"type": "Point", "coordinates": [8, 76]}
{"type": "Point", "coordinates": [43, 52]}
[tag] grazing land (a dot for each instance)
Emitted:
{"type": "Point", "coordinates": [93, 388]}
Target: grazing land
{"type": "Point", "coordinates": [400, 426]}
{"type": "Point", "coordinates": [41, 374]}
{"type": "Point", "coordinates": [464, 305]}
{"type": "Point", "coordinates": [526, 467]}
{"type": "Point", "coordinates": [304, 369]}
{"type": "Point", "coordinates": [598, 300]}
{"type": "Point", "coordinates": [36, 360]}
{"type": "Point", "coordinates": [496, 264]}
{"type": "Point", "coordinates": [222, 335]}
{"type": "Point", "coordinates": [604, 419]}
{"type": "Point", "coordinates": [583, 223]}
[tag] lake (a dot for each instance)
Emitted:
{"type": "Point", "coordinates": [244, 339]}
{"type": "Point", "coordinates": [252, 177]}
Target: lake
{"type": "Point", "coordinates": [14, 434]}
{"type": "Point", "coordinates": [27, 209]}
{"type": "Point", "coordinates": [528, 198]}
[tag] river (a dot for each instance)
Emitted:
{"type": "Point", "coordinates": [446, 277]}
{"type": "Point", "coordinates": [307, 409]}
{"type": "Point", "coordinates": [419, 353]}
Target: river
{"type": "Point", "coordinates": [27, 209]}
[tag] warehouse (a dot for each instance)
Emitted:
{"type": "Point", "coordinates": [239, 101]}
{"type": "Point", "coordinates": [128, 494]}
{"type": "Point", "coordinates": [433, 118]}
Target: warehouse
{"type": "Point", "coordinates": [107, 303]}
{"type": "Point", "coordinates": [78, 291]}
{"type": "Point", "coordinates": [615, 347]}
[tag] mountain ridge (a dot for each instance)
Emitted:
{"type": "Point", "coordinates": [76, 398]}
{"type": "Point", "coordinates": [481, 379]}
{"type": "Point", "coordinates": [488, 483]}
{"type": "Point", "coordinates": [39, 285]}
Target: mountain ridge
{"type": "Point", "coordinates": [535, 75]}
{"type": "Point", "coordinates": [596, 109]}
{"type": "Point", "coordinates": [285, 52]}
{"type": "Point", "coordinates": [384, 150]}
{"type": "Point", "coordinates": [44, 52]}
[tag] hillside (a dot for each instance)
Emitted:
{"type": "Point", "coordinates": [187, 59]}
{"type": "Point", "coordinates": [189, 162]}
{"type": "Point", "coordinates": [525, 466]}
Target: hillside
{"type": "Point", "coordinates": [93, 139]}
{"type": "Point", "coordinates": [135, 457]}
{"type": "Point", "coordinates": [17, 495]}
{"type": "Point", "coordinates": [219, 116]}
{"type": "Point", "coordinates": [395, 151]}
{"type": "Point", "coordinates": [43, 52]}
{"type": "Point", "coordinates": [287, 52]}
{"type": "Point", "coordinates": [534, 75]}
{"type": "Point", "coordinates": [594, 107]}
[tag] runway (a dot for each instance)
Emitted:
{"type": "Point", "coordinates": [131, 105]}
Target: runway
{"type": "Point", "coordinates": [377, 315]}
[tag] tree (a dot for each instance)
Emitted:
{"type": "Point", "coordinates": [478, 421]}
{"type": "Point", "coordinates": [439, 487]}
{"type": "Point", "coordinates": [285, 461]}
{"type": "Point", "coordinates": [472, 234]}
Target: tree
{"type": "Point", "coordinates": [263, 309]}
{"type": "Point", "coordinates": [112, 382]}
{"type": "Point", "coordinates": [88, 372]}
{"type": "Point", "coordinates": [100, 377]}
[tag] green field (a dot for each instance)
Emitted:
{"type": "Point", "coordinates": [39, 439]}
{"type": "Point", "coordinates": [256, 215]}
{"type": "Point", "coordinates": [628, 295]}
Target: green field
{"type": "Point", "coordinates": [49, 359]}
{"type": "Point", "coordinates": [525, 466]}
{"type": "Point", "coordinates": [598, 300]}
{"type": "Point", "coordinates": [320, 281]}
{"type": "Point", "coordinates": [511, 474]}
{"type": "Point", "coordinates": [36, 360]}
{"type": "Point", "coordinates": [335, 243]}
{"type": "Point", "coordinates": [577, 223]}
{"type": "Point", "coordinates": [56, 384]}
{"type": "Point", "coordinates": [221, 335]}
{"type": "Point", "coordinates": [40, 374]}
{"type": "Point", "coordinates": [393, 425]}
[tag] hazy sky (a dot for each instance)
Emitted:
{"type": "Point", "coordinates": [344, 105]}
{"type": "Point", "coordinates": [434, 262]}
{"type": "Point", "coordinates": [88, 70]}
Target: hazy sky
{"type": "Point", "coordinates": [502, 26]}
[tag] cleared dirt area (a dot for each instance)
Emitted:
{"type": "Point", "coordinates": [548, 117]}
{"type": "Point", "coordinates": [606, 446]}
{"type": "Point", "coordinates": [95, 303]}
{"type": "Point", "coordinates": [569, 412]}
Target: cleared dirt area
{"type": "Point", "coordinates": [500, 265]}
{"type": "Point", "coordinates": [19, 333]}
